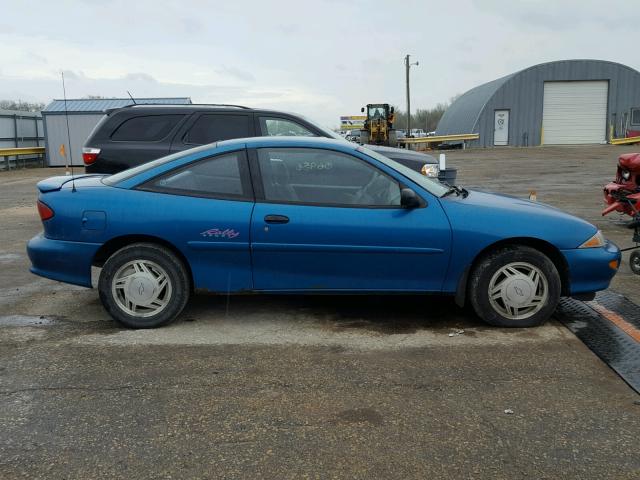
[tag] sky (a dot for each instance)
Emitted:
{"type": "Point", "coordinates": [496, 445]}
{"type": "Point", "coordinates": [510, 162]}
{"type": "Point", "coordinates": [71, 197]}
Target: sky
{"type": "Point", "coordinates": [321, 58]}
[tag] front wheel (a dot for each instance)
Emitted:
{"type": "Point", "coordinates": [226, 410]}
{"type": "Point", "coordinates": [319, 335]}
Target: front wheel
{"type": "Point", "coordinates": [144, 285]}
{"type": "Point", "coordinates": [515, 287]}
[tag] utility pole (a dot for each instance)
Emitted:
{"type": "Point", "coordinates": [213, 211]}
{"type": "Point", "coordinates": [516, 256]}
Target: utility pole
{"type": "Point", "coordinates": [407, 65]}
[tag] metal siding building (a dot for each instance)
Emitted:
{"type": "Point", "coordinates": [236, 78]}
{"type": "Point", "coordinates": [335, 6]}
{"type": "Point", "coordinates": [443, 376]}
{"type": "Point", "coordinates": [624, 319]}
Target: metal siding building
{"type": "Point", "coordinates": [585, 100]}
{"type": "Point", "coordinates": [20, 129]}
{"type": "Point", "coordinates": [83, 116]}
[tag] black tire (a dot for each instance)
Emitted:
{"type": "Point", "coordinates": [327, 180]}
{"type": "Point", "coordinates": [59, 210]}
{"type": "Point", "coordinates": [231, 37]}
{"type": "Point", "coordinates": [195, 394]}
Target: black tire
{"type": "Point", "coordinates": [488, 266]}
{"type": "Point", "coordinates": [634, 262]}
{"type": "Point", "coordinates": [393, 138]}
{"type": "Point", "coordinates": [175, 295]}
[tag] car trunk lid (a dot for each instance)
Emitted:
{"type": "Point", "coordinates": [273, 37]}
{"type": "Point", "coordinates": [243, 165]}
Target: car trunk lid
{"type": "Point", "coordinates": [53, 184]}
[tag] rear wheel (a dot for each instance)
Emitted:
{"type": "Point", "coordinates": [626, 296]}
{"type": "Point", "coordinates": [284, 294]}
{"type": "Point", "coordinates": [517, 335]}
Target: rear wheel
{"type": "Point", "coordinates": [144, 285]}
{"type": "Point", "coordinates": [515, 287]}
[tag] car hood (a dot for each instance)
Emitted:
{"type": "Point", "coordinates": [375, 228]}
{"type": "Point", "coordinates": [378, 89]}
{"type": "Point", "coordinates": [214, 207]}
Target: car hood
{"type": "Point", "coordinates": [491, 217]}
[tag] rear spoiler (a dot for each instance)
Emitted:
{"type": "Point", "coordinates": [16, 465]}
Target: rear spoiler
{"type": "Point", "coordinates": [55, 183]}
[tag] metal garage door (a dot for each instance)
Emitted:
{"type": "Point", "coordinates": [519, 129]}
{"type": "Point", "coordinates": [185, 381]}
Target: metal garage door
{"type": "Point", "coordinates": [574, 112]}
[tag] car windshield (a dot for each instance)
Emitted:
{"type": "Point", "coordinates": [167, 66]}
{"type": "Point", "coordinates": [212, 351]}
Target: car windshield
{"type": "Point", "coordinates": [131, 172]}
{"type": "Point", "coordinates": [431, 185]}
{"type": "Point", "coordinates": [376, 112]}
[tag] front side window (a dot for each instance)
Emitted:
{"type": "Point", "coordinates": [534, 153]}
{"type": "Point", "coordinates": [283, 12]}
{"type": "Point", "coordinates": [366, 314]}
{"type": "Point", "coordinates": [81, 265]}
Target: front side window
{"type": "Point", "coordinates": [219, 176]}
{"type": "Point", "coordinates": [635, 116]}
{"type": "Point", "coordinates": [150, 128]}
{"type": "Point", "coordinates": [280, 127]}
{"type": "Point", "coordinates": [429, 184]}
{"type": "Point", "coordinates": [213, 128]}
{"type": "Point", "coordinates": [324, 177]}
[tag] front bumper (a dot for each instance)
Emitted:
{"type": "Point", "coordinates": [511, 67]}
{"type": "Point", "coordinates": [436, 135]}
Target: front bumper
{"type": "Point", "coordinates": [68, 262]}
{"type": "Point", "coordinates": [589, 268]}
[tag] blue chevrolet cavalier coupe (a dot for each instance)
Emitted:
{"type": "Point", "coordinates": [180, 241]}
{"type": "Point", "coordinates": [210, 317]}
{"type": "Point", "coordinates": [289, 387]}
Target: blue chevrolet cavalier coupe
{"type": "Point", "coordinates": [308, 215]}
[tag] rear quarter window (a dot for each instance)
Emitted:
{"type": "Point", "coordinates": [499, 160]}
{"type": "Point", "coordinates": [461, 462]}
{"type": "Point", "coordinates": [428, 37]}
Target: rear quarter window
{"type": "Point", "coordinates": [149, 128]}
{"type": "Point", "coordinates": [216, 127]}
{"type": "Point", "coordinates": [223, 176]}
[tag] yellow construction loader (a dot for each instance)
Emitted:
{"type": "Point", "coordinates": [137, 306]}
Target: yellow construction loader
{"type": "Point", "coordinates": [378, 127]}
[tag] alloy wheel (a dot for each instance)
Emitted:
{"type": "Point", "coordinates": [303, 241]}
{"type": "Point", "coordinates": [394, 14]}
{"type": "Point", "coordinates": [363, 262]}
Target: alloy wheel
{"type": "Point", "coordinates": [141, 288]}
{"type": "Point", "coordinates": [518, 290]}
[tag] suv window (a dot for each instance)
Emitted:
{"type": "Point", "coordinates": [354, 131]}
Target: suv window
{"type": "Point", "coordinates": [212, 128]}
{"type": "Point", "coordinates": [276, 127]}
{"type": "Point", "coordinates": [325, 177]}
{"type": "Point", "coordinates": [149, 128]}
{"type": "Point", "coordinates": [219, 176]}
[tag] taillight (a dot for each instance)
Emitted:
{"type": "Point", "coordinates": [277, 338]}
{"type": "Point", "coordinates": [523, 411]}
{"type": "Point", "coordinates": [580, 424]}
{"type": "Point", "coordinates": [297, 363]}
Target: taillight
{"type": "Point", "coordinates": [45, 212]}
{"type": "Point", "coordinates": [90, 155]}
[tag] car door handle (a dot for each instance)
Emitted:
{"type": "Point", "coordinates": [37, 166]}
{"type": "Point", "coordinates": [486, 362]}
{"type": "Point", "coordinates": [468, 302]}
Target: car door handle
{"type": "Point", "coordinates": [276, 219]}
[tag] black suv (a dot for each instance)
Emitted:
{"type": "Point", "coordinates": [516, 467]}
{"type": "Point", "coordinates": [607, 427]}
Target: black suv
{"type": "Point", "coordinates": [136, 134]}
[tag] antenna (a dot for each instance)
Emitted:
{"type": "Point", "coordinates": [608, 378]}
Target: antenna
{"type": "Point", "coordinates": [66, 115]}
{"type": "Point", "coordinates": [131, 97]}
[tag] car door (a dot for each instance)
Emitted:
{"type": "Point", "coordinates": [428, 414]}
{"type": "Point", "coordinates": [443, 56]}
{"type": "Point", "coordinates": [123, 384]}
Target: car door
{"type": "Point", "coordinates": [209, 127]}
{"type": "Point", "coordinates": [330, 220]}
{"type": "Point", "coordinates": [204, 208]}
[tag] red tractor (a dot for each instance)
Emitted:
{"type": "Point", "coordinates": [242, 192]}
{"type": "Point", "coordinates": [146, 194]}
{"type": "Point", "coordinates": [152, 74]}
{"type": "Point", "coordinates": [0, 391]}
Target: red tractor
{"type": "Point", "coordinates": [623, 195]}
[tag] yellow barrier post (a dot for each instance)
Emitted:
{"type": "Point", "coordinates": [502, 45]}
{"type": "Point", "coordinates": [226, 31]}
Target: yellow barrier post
{"type": "Point", "coordinates": [461, 137]}
{"type": "Point", "coordinates": [624, 141]}
{"type": "Point", "coordinates": [19, 151]}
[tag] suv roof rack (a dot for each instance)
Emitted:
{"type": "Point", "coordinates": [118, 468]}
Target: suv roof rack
{"type": "Point", "coordinates": [220, 105]}
{"type": "Point", "coordinates": [109, 111]}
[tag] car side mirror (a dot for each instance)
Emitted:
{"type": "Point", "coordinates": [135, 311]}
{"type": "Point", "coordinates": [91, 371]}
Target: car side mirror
{"type": "Point", "coordinates": [362, 110]}
{"type": "Point", "coordinates": [409, 198]}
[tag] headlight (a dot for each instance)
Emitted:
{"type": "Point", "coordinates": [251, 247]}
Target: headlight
{"type": "Point", "coordinates": [430, 170]}
{"type": "Point", "coordinates": [596, 241]}
{"type": "Point", "coordinates": [626, 174]}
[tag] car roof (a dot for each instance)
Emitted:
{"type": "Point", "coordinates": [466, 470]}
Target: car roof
{"type": "Point", "coordinates": [319, 142]}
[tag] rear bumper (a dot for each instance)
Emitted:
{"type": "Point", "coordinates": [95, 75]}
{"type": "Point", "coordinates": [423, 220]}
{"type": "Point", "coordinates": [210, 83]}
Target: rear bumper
{"type": "Point", "coordinates": [589, 268]}
{"type": "Point", "coordinates": [68, 262]}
